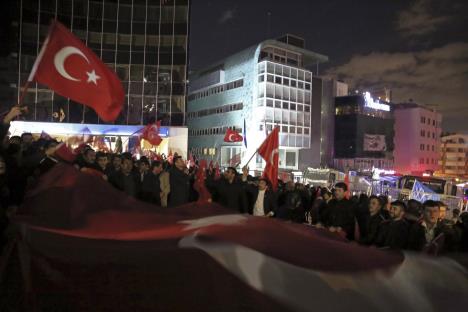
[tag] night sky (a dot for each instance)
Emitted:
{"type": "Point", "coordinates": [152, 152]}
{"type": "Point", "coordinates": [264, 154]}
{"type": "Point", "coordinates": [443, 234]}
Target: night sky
{"type": "Point", "coordinates": [418, 48]}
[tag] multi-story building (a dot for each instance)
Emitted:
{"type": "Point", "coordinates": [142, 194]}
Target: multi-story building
{"type": "Point", "coordinates": [363, 133]}
{"type": "Point", "coordinates": [145, 42]}
{"type": "Point", "coordinates": [454, 156]}
{"type": "Point", "coordinates": [262, 87]}
{"type": "Point", "coordinates": [417, 139]}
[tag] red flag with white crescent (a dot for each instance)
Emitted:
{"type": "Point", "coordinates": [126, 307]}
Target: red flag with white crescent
{"type": "Point", "coordinates": [67, 66]}
{"type": "Point", "coordinates": [232, 136]}
{"type": "Point", "coordinates": [269, 150]}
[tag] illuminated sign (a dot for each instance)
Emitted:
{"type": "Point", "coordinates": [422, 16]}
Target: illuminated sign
{"type": "Point", "coordinates": [375, 105]}
{"type": "Point", "coordinates": [57, 128]}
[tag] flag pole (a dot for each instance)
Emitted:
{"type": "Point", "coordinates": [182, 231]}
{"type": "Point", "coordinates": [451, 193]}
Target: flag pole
{"type": "Point", "coordinates": [250, 159]}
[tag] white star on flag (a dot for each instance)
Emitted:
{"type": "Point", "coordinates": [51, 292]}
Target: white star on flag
{"type": "Point", "coordinates": [92, 77]}
{"type": "Point", "coordinates": [222, 220]}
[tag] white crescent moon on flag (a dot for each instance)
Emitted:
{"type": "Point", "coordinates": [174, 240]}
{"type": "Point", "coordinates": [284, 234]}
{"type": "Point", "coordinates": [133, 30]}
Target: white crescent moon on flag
{"type": "Point", "coordinates": [60, 58]}
{"type": "Point", "coordinates": [230, 138]}
{"type": "Point", "coordinates": [272, 158]}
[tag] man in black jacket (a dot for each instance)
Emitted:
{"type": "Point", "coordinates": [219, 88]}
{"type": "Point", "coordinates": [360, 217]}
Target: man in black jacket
{"type": "Point", "coordinates": [263, 199]}
{"type": "Point", "coordinates": [150, 187]}
{"type": "Point", "coordinates": [393, 233]}
{"type": "Point", "coordinates": [373, 221]}
{"type": "Point", "coordinates": [229, 191]}
{"type": "Point", "coordinates": [180, 183]}
{"type": "Point", "coordinates": [339, 215]}
{"type": "Point", "coordinates": [125, 180]}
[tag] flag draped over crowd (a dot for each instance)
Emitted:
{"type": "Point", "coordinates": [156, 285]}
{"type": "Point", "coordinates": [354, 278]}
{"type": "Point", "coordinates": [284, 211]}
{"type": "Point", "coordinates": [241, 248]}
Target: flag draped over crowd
{"type": "Point", "coordinates": [81, 245]}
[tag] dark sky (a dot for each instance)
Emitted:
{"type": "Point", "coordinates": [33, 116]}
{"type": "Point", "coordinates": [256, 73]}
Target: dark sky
{"type": "Point", "coordinates": [418, 48]}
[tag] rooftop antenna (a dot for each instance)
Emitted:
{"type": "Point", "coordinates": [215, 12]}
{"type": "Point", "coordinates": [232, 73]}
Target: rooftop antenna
{"type": "Point", "coordinates": [268, 24]}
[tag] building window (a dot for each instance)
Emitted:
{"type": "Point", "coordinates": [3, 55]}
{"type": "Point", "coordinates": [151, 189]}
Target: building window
{"type": "Point", "coordinates": [421, 147]}
{"type": "Point", "coordinates": [423, 133]}
{"type": "Point", "coordinates": [421, 161]}
{"type": "Point", "coordinates": [423, 119]}
{"type": "Point", "coordinates": [427, 148]}
{"type": "Point", "coordinates": [428, 121]}
{"type": "Point", "coordinates": [433, 122]}
{"type": "Point", "coordinates": [433, 148]}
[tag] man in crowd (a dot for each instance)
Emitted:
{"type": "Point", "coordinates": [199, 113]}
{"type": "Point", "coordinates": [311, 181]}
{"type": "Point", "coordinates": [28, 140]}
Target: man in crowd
{"type": "Point", "coordinates": [393, 233]}
{"type": "Point", "coordinates": [102, 163]}
{"type": "Point", "coordinates": [339, 216]}
{"type": "Point", "coordinates": [373, 221]}
{"type": "Point", "coordinates": [431, 233]}
{"type": "Point", "coordinates": [229, 191]}
{"type": "Point", "coordinates": [150, 188]}
{"type": "Point", "coordinates": [179, 182]}
{"type": "Point", "coordinates": [125, 180]}
{"type": "Point", "coordinates": [290, 205]}
{"type": "Point", "coordinates": [263, 199]}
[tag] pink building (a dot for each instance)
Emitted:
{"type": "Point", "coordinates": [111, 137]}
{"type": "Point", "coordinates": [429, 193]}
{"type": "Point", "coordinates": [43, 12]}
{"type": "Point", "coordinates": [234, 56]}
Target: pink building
{"type": "Point", "coordinates": [417, 139]}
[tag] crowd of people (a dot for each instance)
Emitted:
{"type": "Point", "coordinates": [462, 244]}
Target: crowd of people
{"type": "Point", "coordinates": [371, 221]}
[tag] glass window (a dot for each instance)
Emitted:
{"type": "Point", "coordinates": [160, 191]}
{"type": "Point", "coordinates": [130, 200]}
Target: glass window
{"type": "Point", "coordinates": [278, 92]}
{"type": "Point", "coordinates": [293, 95]}
{"type": "Point", "coordinates": [270, 78]}
{"type": "Point", "coordinates": [260, 102]}
{"type": "Point", "coordinates": [300, 108]}
{"type": "Point", "coordinates": [286, 93]}
{"type": "Point", "coordinates": [292, 130]}
{"type": "Point", "coordinates": [300, 96]}
{"type": "Point", "coordinates": [277, 104]}
{"type": "Point", "coordinates": [285, 81]}
{"type": "Point", "coordinates": [307, 97]}
{"type": "Point", "coordinates": [284, 129]}
{"type": "Point", "coordinates": [301, 75]}
{"type": "Point", "coordinates": [294, 73]}
{"type": "Point", "coordinates": [269, 103]}
{"type": "Point", "coordinates": [285, 105]}
{"type": "Point", "coordinates": [270, 90]}
{"type": "Point", "coordinates": [270, 68]}
{"type": "Point", "coordinates": [285, 117]}
{"type": "Point", "coordinates": [278, 70]}
{"type": "Point", "coordinates": [278, 80]}
{"type": "Point", "coordinates": [306, 130]}
{"type": "Point", "coordinates": [299, 130]}
{"type": "Point", "coordinates": [293, 83]}
{"type": "Point", "coordinates": [261, 68]}
{"type": "Point", "coordinates": [286, 72]}
{"type": "Point", "coordinates": [261, 78]}
{"type": "Point", "coordinates": [300, 85]}
{"type": "Point", "coordinates": [293, 106]}
{"type": "Point", "coordinates": [308, 76]}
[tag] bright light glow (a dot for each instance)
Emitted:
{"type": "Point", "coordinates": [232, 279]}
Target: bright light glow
{"type": "Point", "coordinates": [376, 172]}
{"type": "Point", "coordinates": [373, 104]}
{"type": "Point", "coordinates": [426, 174]}
{"type": "Point", "coordinates": [58, 128]}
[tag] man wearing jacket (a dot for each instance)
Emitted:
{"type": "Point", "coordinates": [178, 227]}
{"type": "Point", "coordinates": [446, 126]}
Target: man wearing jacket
{"type": "Point", "coordinates": [263, 199]}
{"type": "Point", "coordinates": [179, 183]}
{"type": "Point", "coordinates": [229, 191]}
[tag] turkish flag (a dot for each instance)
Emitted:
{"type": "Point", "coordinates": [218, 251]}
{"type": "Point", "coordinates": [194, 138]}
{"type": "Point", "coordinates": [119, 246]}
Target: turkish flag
{"type": "Point", "coordinates": [72, 70]}
{"type": "Point", "coordinates": [151, 133]}
{"type": "Point", "coordinates": [269, 150]}
{"type": "Point", "coordinates": [232, 136]}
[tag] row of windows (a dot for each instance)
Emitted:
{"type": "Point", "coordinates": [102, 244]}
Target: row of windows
{"type": "Point", "coordinates": [423, 147]}
{"type": "Point", "coordinates": [424, 119]}
{"type": "Point", "coordinates": [286, 129]}
{"type": "Point", "coordinates": [283, 105]}
{"type": "Point", "coordinates": [203, 151]}
{"type": "Point", "coordinates": [213, 131]}
{"type": "Point", "coordinates": [152, 12]}
{"type": "Point", "coordinates": [279, 92]}
{"type": "Point", "coordinates": [455, 150]}
{"type": "Point", "coordinates": [217, 89]}
{"type": "Point", "coordinates": [284, 71]}
{"type": "Point", "coordinates": [428, 161]}
{"type": "Point", "coordinates": [427, 134]}
{"type": "Point", "coordinates": [285, 81]}
{"type": "Point", "coordinates": [217, 110]}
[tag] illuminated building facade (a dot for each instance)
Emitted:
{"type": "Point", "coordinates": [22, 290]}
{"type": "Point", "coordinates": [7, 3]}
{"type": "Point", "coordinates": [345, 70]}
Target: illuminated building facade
{"type": "Point", "coordinates": [454, 156]}
{"type": "Point", "coordinates": [363, 133]}
{"type": "Point", "coordinates": [262, 87]}
{"type": "Point", "coordinates": [417, 139]}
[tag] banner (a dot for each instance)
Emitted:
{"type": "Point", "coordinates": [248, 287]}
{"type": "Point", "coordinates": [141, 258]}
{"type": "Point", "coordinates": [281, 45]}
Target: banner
{"type": "Point", "coordinates": [374, 143]}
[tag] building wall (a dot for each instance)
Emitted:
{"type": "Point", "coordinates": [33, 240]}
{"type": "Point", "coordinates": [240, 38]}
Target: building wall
{"type": "Point", "coordinates": [145, 42]}
{"type": "Point", "coordinates": [269, 99]}
{"type": "Point", "coordinates": [416, 142]}
{"type": "Point", "coordinates": [454, 156]}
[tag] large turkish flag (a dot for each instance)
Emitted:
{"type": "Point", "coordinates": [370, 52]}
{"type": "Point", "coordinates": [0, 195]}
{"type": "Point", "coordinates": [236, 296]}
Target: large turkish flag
{"type": "Point", "coordinates": [269, 150]}
{"type": "Point", "coordinates": [72, 70]}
